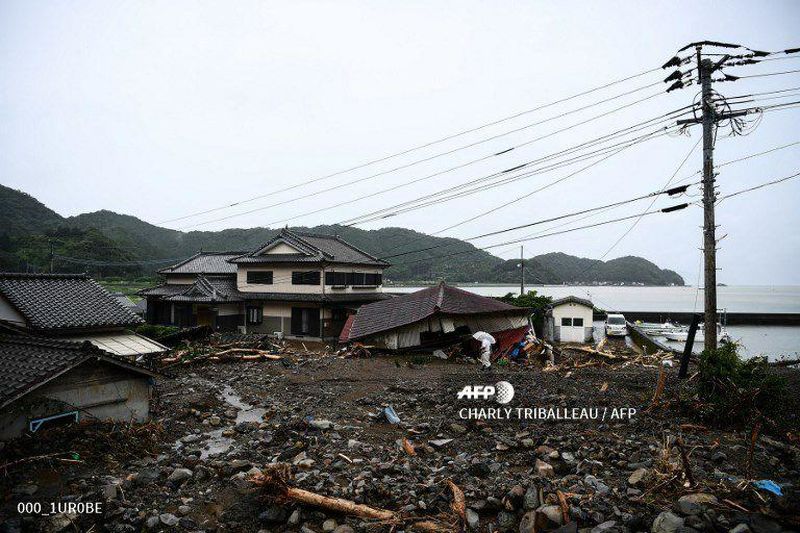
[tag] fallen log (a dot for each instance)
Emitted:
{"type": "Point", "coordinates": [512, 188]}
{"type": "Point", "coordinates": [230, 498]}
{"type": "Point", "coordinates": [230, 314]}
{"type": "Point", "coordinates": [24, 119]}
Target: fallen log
{"type": "Point", "coordinates": [275, 479]}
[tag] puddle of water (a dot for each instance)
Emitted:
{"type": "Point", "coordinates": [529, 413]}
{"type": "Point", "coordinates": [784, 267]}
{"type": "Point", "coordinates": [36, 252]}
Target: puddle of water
{"type": "Point", "coordinates": [216, 443]}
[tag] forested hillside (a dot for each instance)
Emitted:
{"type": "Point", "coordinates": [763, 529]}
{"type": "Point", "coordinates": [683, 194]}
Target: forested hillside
{"type": "Point", "coordinates": [105, 243]}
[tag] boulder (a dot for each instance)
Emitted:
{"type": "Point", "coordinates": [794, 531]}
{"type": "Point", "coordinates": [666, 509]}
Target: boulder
{"type": "Point", "coordinates": [543, 469]}
{"type": "Point", "coordinates": [666, 522]}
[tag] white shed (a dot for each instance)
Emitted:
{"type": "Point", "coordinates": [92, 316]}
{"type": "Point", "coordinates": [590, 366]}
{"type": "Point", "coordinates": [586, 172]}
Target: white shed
{"type": "Point", "coordinates": [570, 319]}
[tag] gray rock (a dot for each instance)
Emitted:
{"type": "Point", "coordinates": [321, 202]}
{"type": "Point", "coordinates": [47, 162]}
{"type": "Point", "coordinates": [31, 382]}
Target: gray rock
{"type": "Point", "coordinates": [762, 524]}
{"type": "Point", "coordinates": [741, 528]}
{"type": "Point", "coordinates": [605, 526]}
{"type": "Point", "coordinates": [179, 475]}
{"type": "Point", "coordinates": [147, 476]}
{"type": "Point", "coordinates": [473, 520]}
{"type": "Point", "coordinates": [109, 491]}
{"type": "Point", "coordinates": [152, 522]}
{"type": "Point", "coordinates": [294, 518]}
{"type": "Point", "coordinates": [638, 476]}
{"type": "Point", "coordinates": [666, 522]}
{"type": "Point", "coordinates": [543, 469]}
{"type": "Point", "coordinates": [169, 519]}
{"type": "Point", "coordinates": [274, 514]}
{"type": "Point", "coordinates": [531, 499]}
{"type": "Point", "coordinates": [596, 484]}
{"type": "Point", "coordinates": [329, 525]}
{"type": "Point", "coordinates": [215, 420]}
{"type": "Point", "coordinates": [344, 528]}
{"type": "Point", "coordinates": [28, 489]}
{"type": "Point", "coordinates": [506, 521]}
{"type": "Point", "coordinates": [528, 522]}
{"type": "Point", "coordinates": [692, 504]}
{"type": "Point", "coordinates": [549, 516]}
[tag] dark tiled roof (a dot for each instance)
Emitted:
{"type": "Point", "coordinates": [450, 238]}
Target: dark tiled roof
{"type": "Point", "coordinates": [572, 299]}
{"type": "Point", "coordinates": [311, 247]}
{"type": "Point", "coordinates": [64, 301]}
{"type": "Point", "coordinates": [413, 307]}
{"type": "Point", "coordinates": [29, 362]}
{"type": "Point", "coordinates": [208, 289]}
{"type": "Point", "coordinates": [205, 263]}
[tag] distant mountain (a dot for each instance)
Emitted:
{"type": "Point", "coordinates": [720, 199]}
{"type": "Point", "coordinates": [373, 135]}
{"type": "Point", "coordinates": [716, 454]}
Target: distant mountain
{"type": "Point", "coordinates": [98, 242]}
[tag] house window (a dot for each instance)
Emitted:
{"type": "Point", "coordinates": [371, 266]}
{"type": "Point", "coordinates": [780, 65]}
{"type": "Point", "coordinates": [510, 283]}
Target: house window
{"type": "Point", "coordinates": [259, 277]}
{"type": "Point", "coordinates": [255, 315]}
{"type": "Point", "coordinates": [374, 279]}
{"type": "Point", "coordinates": [566, 321]}
{"type": "Point", "coordinates": [335, 278]}
{"type": "Point", "coordinates": [311, 277]}
{"type": "Point", "coordinates": [577, 322]}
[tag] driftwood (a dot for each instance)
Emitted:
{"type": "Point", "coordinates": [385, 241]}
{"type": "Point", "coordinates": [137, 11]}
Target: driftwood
{"type": "Point", "coordinates": [562, 502]}
{"type": "Point", "coordinates": [687, 471]}
{"type": "Point", "coordinates": [275, 479]}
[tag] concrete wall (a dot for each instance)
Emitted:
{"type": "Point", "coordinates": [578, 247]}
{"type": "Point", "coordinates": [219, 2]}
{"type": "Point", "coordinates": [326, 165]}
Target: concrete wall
{"type": "Point", "coordinates": [99, 390]}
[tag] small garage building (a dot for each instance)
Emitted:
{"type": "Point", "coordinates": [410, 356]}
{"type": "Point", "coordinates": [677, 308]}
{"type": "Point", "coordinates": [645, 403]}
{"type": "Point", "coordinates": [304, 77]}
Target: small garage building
{"type": "Point", "coordinates": [570, 319]}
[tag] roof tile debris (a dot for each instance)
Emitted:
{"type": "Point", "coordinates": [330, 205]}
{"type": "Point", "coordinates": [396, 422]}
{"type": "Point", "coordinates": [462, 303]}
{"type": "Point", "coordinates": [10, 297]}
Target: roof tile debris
{"type": "Point", "coordinates": [64, 301]}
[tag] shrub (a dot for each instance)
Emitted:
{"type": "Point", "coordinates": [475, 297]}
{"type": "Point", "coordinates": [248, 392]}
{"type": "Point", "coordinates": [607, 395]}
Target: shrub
{"type": "Point", "coordinates": [736, 391]}
{"type": "Point", "coordinates": [155, 331]}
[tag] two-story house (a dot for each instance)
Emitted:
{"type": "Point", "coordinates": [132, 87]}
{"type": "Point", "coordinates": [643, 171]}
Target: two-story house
{"type": "Point", "coordinates": [299, 284]}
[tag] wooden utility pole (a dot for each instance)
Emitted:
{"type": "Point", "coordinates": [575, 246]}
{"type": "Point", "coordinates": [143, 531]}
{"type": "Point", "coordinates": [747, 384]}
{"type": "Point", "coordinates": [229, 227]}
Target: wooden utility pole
{"type": "Point", "coordinates": [709, 120]}
{"type": "Point", "coordinates": [705, 67]}
{"type": "Point", "coordinates": [522, 270]}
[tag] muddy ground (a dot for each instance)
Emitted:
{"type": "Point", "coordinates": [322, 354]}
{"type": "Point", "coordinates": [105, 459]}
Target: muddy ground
{"type": "Point", "coordinates": [216, 425]}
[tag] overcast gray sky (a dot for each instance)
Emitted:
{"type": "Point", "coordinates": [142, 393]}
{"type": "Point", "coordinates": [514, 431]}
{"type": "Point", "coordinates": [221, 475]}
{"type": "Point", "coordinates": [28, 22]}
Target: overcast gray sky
{"type": "Point", "coordinates": [160, 109]}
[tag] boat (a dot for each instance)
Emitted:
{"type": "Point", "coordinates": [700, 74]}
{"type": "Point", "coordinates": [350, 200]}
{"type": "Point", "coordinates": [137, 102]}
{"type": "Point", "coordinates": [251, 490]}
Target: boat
{"type": "Point", "coordinates": [656, 329]}
{"type": "Point", "coordinates": [683, 335]}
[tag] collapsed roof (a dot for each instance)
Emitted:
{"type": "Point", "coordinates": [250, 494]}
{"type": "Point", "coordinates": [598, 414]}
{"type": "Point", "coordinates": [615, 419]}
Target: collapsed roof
{"type": "Point", "coordinates": [410, 308]}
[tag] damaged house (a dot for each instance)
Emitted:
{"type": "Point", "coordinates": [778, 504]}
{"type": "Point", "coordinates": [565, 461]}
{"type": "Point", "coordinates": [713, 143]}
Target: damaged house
{"type": "Point", "coordinates": [50, 381]}
{"type": "Point", "coordinates": [299, 285]}
{"type": "Point", "coordinates": [71, 307]}
{"type": "Point", "coordinates": [431, 317]}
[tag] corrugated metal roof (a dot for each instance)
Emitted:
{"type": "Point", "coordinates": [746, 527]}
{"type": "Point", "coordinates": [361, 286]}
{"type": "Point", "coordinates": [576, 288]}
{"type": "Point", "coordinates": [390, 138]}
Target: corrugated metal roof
{"type": "Point", "coordinates": [64, 301]}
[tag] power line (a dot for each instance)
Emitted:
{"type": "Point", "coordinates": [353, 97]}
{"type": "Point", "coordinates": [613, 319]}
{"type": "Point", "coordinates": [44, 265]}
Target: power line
{"type": "Point", "coordinates": [381, 213]}
{"type": "Point", "coordinates": [769, 74]}
{"type": "Point", "coordinates": [360, 180]}
{"type": "Point", "coordinates": [670, 192]}
{"type": "Point", "coordinates": [452, 193]}
{"type": "Point", "coordinates": [415, 148]}
{"type": "Point", "coordinates": [756, 187]}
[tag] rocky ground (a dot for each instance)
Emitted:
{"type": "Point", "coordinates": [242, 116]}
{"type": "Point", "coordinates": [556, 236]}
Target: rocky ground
{"type": "Point", "coordinates": [217, 425]}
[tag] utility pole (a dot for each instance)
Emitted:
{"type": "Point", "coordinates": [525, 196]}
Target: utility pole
{"type": "Point", "coordinates": [522, 270]}
{"type": "Point", "coordinates": [709, 120]}
{"type": "Point", "coordinates": [51, 255]}
{"type": "Point", "coordinates": [705, 67]}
